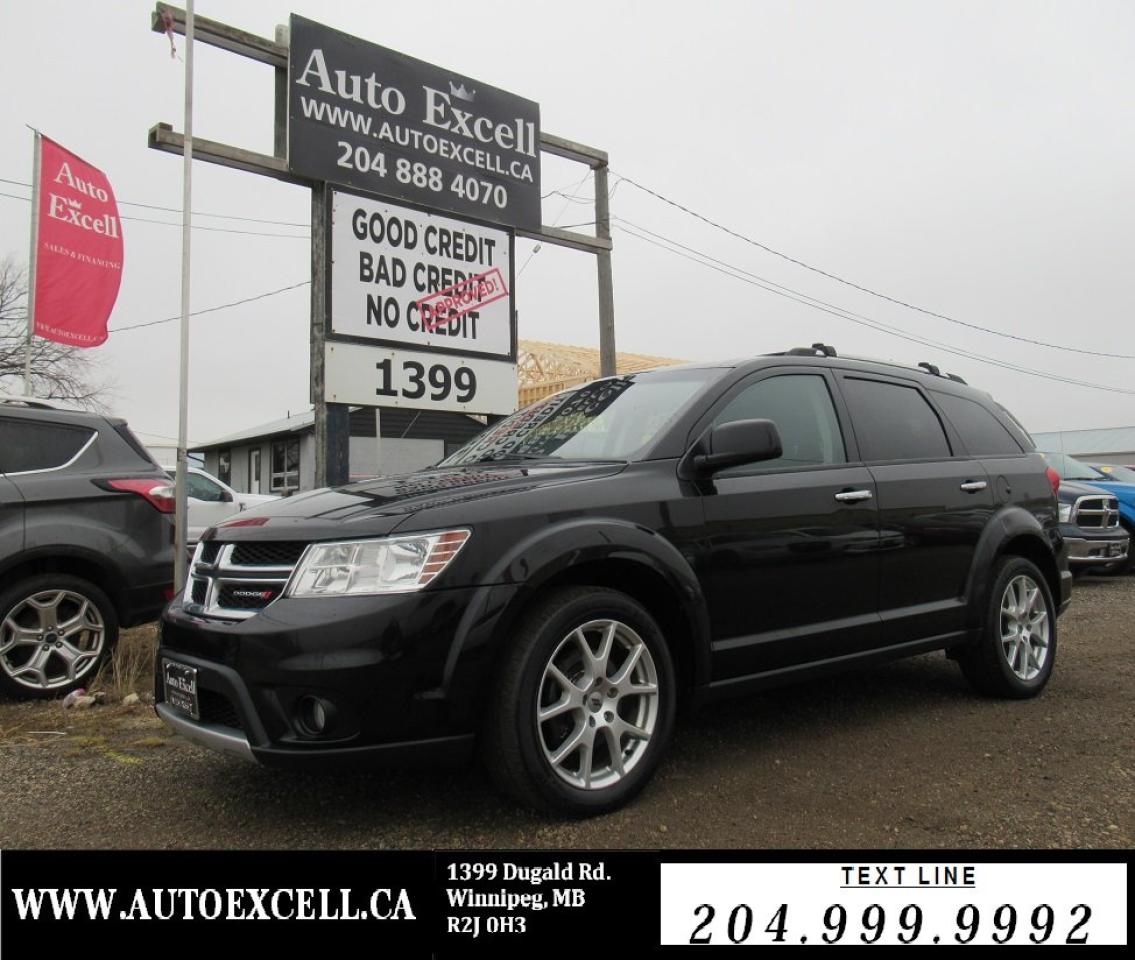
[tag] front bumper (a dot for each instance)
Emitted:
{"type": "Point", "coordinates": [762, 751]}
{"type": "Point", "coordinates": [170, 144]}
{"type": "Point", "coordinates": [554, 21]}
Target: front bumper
{"type": "Point", "coordinates": [1091, 548]}
{"type": "Point", "coordinates": [400, 676]}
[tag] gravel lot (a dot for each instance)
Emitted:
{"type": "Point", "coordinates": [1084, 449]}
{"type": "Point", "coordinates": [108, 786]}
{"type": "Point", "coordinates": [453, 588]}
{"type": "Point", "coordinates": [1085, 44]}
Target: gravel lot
{"type": "Point", "coordinates": [903, 756]}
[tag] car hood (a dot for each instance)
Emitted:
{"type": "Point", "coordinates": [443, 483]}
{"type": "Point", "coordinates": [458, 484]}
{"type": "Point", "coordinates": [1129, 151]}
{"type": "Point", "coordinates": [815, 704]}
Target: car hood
{"type": "Point", "coordinates": [1072, 490]}
{"type": "Point", "coordinates": [376, 507]}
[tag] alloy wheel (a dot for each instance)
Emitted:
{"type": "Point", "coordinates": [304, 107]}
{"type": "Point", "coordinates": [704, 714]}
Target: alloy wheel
{"type": "Point", "coordinates": [597, 707]}
{"type": "Point", "coordinates": [50, 639]}
{"type": "Point", "coordinates": [1025, 627]}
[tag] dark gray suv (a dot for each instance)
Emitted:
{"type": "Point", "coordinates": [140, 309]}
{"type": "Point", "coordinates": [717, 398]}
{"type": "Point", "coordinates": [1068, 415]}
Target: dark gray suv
{"type": "Point", "coordinates": [86, 530]}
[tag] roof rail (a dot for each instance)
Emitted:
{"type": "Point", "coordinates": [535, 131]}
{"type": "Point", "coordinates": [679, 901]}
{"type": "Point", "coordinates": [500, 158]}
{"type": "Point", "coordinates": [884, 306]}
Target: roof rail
{"type": "Point", "coordinates": [935, 372]}
{"type": "Point", "coordinates": [815, 350]}
{"type": "Point", "coordinates": [27, 401]}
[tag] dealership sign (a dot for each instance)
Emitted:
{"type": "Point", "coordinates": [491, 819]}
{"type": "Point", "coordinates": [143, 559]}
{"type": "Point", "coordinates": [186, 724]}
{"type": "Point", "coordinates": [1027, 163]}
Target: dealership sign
{"type": "Point", "coordinates": [372, 118]}
{"type": "Point", "coordinates": [374, 376]}
{"type": "Point", "coordinates": [428, 299]}
{"type": "Point", "coordinates": [403, 277]}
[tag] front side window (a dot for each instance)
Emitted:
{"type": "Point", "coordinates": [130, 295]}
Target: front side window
{"type": "Point", "coordinates": [27, 445]}
{"type": "Point", "coordinates": [801, 407]}
{"type": "Point", "coordinates": [894, 422]}
{"type": "Point", "coordinates": [286, 465]}
{"type": "Point", "coordinates": [202, 488]}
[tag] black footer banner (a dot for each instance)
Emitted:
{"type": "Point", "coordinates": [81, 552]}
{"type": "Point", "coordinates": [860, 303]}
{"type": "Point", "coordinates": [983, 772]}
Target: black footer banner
{"type": "Point", "coordinates": [500, 903]}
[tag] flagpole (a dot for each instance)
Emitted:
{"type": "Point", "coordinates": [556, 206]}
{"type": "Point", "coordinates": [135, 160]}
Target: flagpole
{"type": "Point", "coordinates": [180, 512]}
{"type": "Point", "coordinates": [37, 152]}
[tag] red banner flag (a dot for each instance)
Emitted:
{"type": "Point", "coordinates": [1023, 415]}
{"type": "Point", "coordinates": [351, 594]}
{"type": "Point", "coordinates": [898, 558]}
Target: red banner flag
{"type": "Point", "coordinates": [78, 249]}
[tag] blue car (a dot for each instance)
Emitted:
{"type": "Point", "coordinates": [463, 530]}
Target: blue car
{"type": "Point", "coordinates": [1117, 480]}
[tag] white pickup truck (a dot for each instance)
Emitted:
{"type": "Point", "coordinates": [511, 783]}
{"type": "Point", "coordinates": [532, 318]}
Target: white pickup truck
{"type": "Point", "coordinates": [211, 501]}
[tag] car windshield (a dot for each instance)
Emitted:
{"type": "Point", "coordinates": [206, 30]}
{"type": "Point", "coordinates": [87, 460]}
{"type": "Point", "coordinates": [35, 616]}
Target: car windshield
{"type": "Point", "coordinates": [1115, 473]}
{"type": "Point", "coordinates": [1070, 469]}
{"type": "Point", "coordinates": [609, 419]}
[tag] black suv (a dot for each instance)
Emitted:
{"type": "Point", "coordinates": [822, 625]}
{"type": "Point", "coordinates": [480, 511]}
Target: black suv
{"type": "Point", "coordinates": [85, 543]}
{"type": "Point", "coordinates": [557, 586]}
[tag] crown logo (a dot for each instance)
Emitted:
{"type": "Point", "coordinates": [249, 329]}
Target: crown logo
{"type": "Point", "coordinates": [461, 93]}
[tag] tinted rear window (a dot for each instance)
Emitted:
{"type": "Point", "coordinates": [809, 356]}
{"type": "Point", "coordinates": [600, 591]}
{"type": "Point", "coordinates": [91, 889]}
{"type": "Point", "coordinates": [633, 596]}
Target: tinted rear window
{"type": "Point", "coordinates": [35, 445]}
{"type": "Point", "coordinates": [893, 422]}
{"type": "Point", "coordinates": [981, 432]}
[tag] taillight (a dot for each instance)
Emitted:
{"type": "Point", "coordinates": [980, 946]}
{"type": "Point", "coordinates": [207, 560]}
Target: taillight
{"type": "Point", "coordinates": [1053, 478]}
{"type": "Point", "coordinates": [157, 493]}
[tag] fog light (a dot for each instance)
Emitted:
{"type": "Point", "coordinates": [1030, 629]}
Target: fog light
{"type": "Point", "coordinates": [315, 715]}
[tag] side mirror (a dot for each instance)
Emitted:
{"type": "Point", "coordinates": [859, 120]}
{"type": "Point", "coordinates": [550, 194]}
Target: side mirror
{"type": "Point", "coordinates": [226, 496]}
{"type": "Point", "coordinates": [735, 444]}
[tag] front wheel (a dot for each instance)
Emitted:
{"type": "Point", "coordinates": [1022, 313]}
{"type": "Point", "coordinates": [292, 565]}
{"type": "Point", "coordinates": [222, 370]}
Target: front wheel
{"type": "Point", "coordinates": [1016, 650]}
{"type": "Point", "coordinates": [584, 705]}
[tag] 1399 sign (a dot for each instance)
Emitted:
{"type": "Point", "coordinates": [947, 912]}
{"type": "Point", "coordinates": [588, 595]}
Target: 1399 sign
{"type": "Point", "coordinates": [415, 380]}
{"type": "Point", "coordinates": [909, 923]}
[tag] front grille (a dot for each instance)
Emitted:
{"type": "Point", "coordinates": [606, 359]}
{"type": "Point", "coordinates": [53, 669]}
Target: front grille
{"type": "Point", "coordinates": [232, 581]}
{"type": "Point", "coordinates": [283, 554]}
{"type": "Point", "coordinates": [217, 708]}
{"type": "Point", "coordinates": [1099, 513]}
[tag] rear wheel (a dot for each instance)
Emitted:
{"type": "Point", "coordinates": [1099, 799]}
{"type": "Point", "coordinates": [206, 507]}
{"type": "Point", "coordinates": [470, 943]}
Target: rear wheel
{"type": "Point", "coordinates": [55, 632]}
{"type": "Point", "coordinates": [1016, 651]}
{"type": "Point", "coordinates": [584, 704]}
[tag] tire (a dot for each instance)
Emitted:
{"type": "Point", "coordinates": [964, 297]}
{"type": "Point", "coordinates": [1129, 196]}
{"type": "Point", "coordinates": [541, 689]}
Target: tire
{"type": "Point", "coordinates": [585, 700]}
{"type": "Point", "coordinates": [1000, 664]}
{"type": "Point", "coordinates": [56, 630]}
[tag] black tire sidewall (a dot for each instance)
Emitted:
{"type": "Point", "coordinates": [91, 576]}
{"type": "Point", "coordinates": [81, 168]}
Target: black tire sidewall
{"type": "Point", "coordinates": [601, 604]}
{"type": "Point", "coordinates": [1015, 686]}
{"type": "Point", "coordinates": [20, 591]}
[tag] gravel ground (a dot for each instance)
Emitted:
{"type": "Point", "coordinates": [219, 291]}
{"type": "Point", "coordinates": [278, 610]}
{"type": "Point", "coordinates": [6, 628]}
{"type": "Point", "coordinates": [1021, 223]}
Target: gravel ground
{"type": "Point", "coordinates": [903, 756]}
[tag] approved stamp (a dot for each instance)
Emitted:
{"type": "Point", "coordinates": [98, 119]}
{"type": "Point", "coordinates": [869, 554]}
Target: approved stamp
{"type": "Point", "coordinates": [452, 302]}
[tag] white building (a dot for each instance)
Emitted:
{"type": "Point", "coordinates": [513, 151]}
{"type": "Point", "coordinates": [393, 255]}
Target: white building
{"type": "Point", "coordinates": [279, 457]}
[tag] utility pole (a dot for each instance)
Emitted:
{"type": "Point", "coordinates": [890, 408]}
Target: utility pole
{"type": "Point", "coordinates": [181, 515]}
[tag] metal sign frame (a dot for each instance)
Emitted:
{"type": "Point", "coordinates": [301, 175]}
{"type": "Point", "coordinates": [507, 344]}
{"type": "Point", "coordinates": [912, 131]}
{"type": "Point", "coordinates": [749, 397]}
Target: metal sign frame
{"type": "Point", "coordinates": [331, 420]}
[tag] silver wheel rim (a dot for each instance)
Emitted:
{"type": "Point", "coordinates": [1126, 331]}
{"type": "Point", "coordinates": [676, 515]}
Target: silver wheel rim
{"type": "Point", "coordinates": [598, 704]}
{"type": "Point", "coordinates": [51, 639]}
{"type": "Point", "coordinates": [1025, 627]}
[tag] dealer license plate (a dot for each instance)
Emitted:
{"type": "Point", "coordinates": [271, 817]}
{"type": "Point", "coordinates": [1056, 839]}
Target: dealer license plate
{"type": "Point", "coordinates": [181, 687]}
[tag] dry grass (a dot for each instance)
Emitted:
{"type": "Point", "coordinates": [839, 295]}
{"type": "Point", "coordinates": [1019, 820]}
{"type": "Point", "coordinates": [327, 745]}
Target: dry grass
{"type": "Point", "coordinates": [130, 668]}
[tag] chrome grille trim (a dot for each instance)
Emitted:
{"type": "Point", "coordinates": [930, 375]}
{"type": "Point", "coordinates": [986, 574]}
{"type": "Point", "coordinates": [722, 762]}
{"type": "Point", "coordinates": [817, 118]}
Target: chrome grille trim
{"type": "Point", "coordinates": [1096, 512]}
{"type": "Point", "coordinates": [221, 573]}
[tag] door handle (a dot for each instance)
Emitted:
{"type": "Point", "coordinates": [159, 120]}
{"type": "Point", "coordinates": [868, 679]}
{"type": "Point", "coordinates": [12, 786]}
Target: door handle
{"type": "Point", "coordinates": [853, 496]}
{"type": "Point", "coordinates": [973, 486]}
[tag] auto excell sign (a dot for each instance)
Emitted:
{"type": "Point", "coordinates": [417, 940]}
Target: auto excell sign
{"type": "Point", "coordinates": [372, 118]}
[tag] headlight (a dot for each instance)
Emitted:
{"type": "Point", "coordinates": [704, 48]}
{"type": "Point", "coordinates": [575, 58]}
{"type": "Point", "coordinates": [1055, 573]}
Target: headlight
{"type": "Point", "coordinates": [1065, 512]}
{"type": "Point", "coordinates": [380, 565]}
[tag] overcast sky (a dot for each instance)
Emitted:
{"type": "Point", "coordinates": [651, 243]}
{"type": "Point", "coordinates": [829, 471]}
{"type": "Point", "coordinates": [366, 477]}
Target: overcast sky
{"type": "Point", "coordinates": [976, 159]}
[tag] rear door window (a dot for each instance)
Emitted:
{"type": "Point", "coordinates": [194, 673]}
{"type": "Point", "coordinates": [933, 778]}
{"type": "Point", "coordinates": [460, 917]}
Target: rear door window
{"type": "Point", "coordinates": [893, 421]}
{"type": "Point", "coordinates": [28, 445]}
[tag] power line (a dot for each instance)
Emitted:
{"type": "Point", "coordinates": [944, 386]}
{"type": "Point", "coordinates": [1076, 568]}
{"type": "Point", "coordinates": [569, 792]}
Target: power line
{"type": "Point", "coordinates": [196, 226]}
{"type": "Point", "coordinates": [788, 293]}
{"type": "Point", "coordinates": [220, 306]}
{"type": "Point", "coordinates": [196, 213]}
{"type": "Point", "coordinates": [863, 289]}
